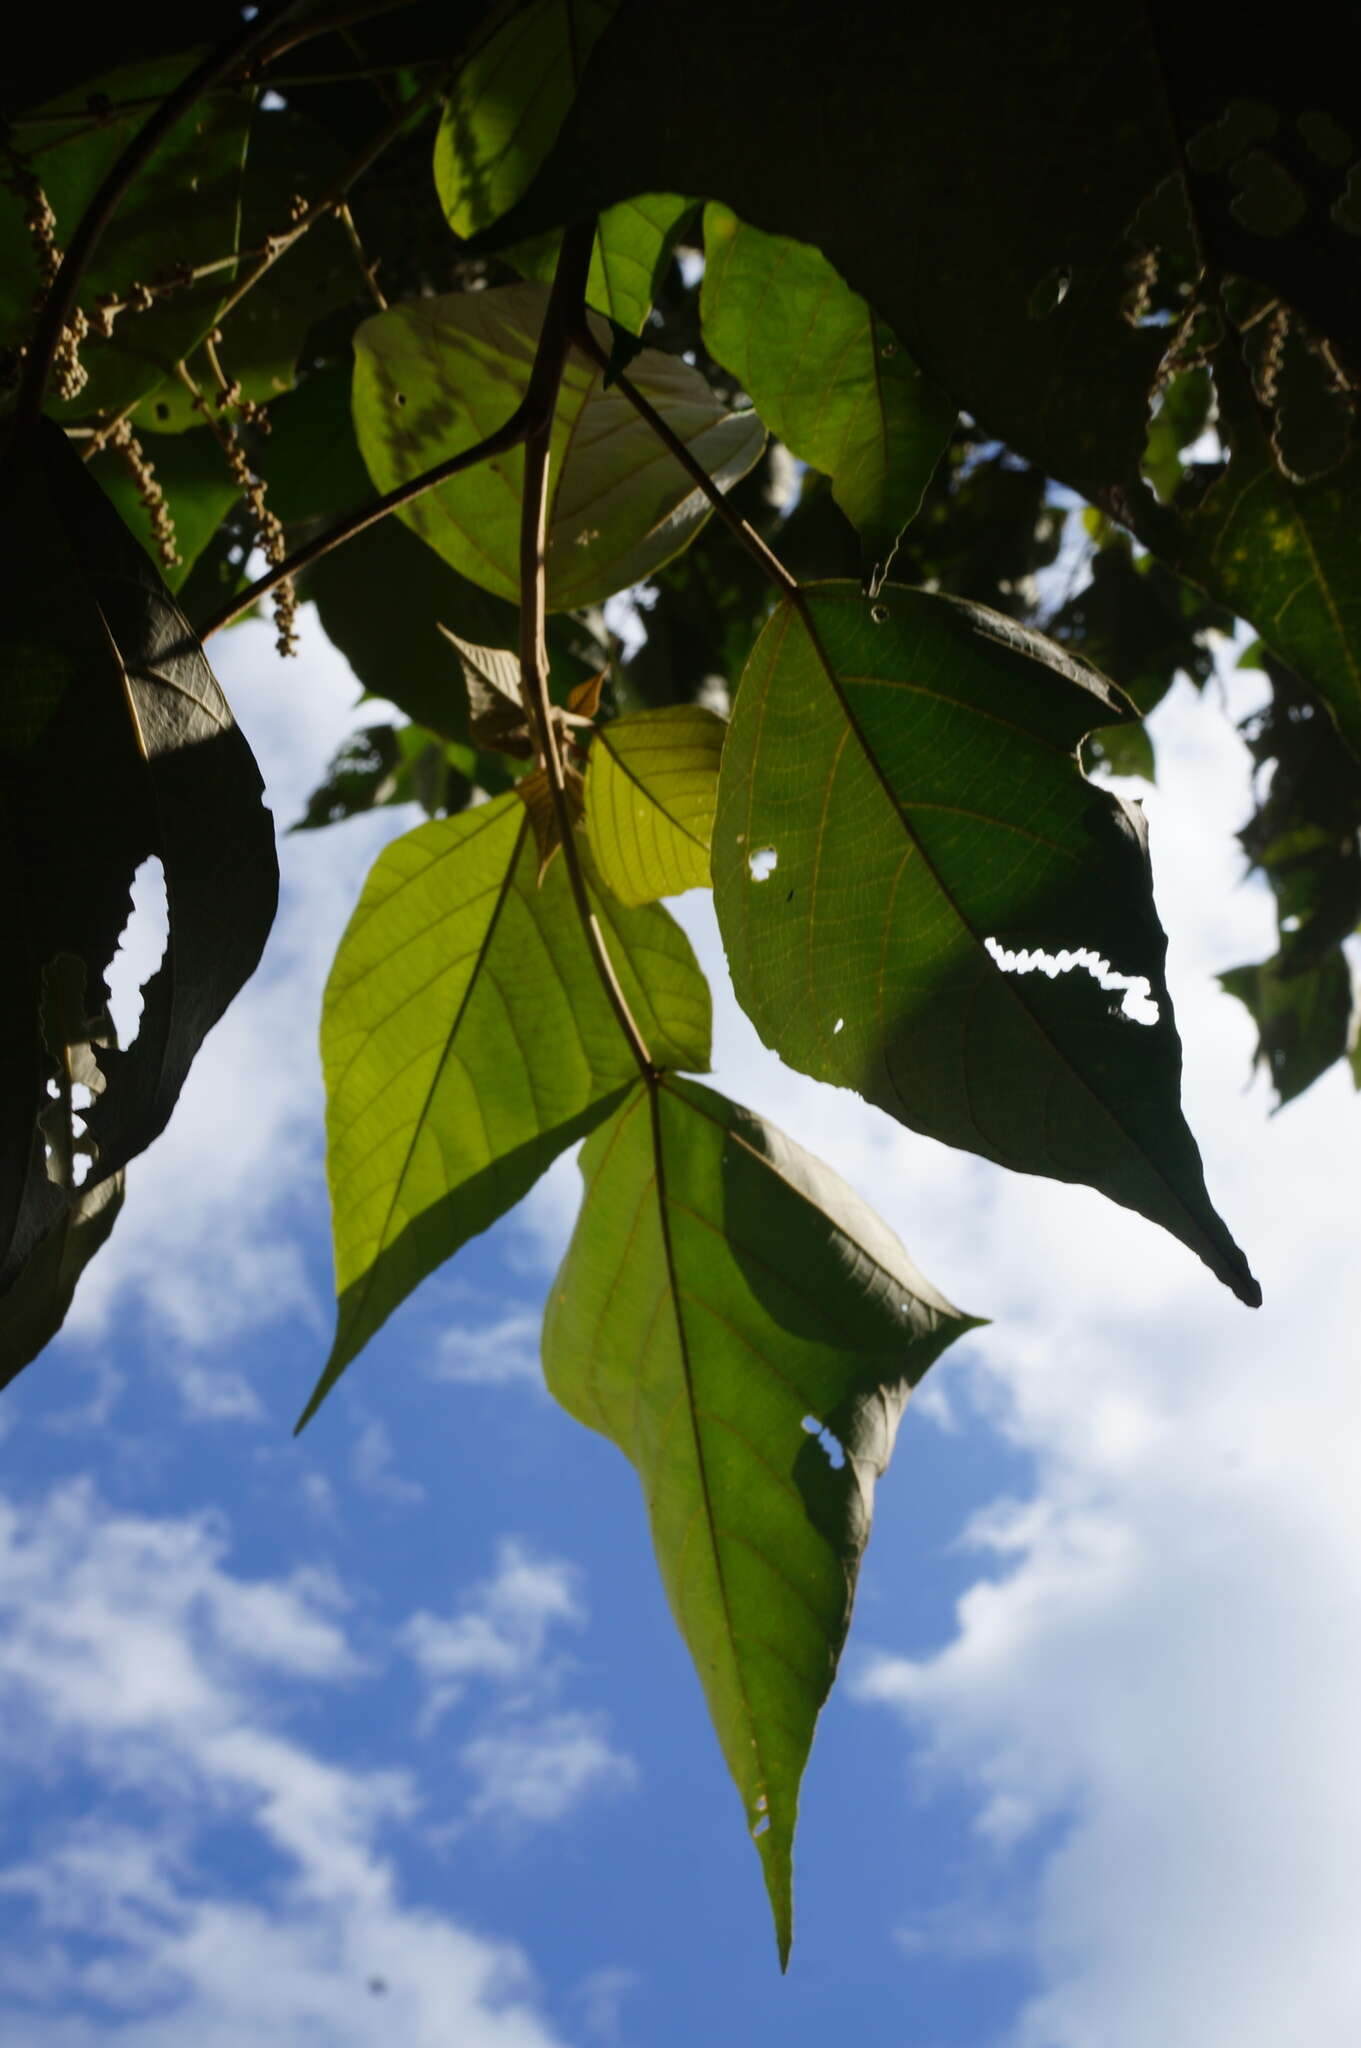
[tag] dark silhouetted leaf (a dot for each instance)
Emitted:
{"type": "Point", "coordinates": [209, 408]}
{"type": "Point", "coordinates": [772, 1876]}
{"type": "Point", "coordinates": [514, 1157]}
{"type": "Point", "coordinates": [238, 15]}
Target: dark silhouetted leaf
{"type": "Point", "coordinates": [747, 1332]}
{"type": "Point", "coordinates": [1303, 1017]}
{"type": "Point", "coordinates": [116, 746]}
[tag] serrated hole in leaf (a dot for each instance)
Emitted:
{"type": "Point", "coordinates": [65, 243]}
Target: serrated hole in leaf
{"type": "Point", "coordinates": [1137, 1004]}
{"type": "Point", "coordinates": [763, 863]}
{"type": "Point", "coordinates": [141, 949]}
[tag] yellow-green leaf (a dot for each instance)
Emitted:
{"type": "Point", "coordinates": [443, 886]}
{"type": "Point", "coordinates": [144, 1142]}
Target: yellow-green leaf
{"type": "Point", "coordinates": [651, 785]}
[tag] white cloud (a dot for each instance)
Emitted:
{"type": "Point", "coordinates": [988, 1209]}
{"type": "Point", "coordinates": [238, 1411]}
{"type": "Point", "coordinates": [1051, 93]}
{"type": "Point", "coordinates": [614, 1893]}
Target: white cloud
{"type": "Point", "coordinates": [500, 1353]}
{"type": "Point", "coordinates": [600, 1999]}
{"type": "Point", "coordinates": [1162, 1666]}
{"type": "Point", "coordinates": [501, 1632]}
{"type": "Point", "coordinates": [130, 1651]}
{"type": "Point", "coordinates": [527, 1767]}
{"type": "Point", "coordinates": [373, 1467]}
{"type": "Point", "coordinates": [542, 1771]}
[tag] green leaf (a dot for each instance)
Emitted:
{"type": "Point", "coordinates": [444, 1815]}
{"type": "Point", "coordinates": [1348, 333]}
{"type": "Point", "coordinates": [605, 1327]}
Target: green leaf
{"type": "Point", "coordinates": [191, 470]}
{"type": "Point", "coordinates": [1303, 1017]}
{"type": "Point", "coordinates": [900, 816]}
{"type": "Point", "coordinates": [116, 746]}
{"type": "Point", "coordinates": [826, 375]}
{"type": "Point", "coordinates": [633, 244]}
{"type": "Point", "coordinates": [651, 783]}
{"type": "Point", "coordinates": [466, 1040]}
{"type": "Point", "coordinates": [434, 376]}
{"type": "Point", "coordinates": [747, 1331]}
{"type": "Point", "coordinates": [507, 105]}
{"type": "Point", "coordinates": [179, 212]}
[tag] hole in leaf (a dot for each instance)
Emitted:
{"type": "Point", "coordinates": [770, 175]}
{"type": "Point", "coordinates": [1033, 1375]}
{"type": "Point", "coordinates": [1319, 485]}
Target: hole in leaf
{"type": "Point", "coordinates": [141, 949]}
{"type": "Point", "coordinates": [836, 1454]}
{"type": "Point", "coordinates": [162, 409]}
{"type": "Point", "coordinates": [761, 1825]}
{"type": "Point", "coordinates": [1050, 293]}
{"type": "Point", "coordinates": [763, 863]}
{"type": "Point", "coordinates": [840, 1025]}
{"type": "Point", "coordinates": [1136, 1006]}
{"type": "Point", "coordinates": [880, 614]}
{"type": "Point", "coordinates": [399, 398]}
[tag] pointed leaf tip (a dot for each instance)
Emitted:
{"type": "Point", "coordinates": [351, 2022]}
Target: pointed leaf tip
{"type": "Point", "coordinates": [723, 1296]}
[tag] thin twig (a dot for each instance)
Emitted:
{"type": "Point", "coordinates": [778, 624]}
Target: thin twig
{"type": "Point", "coordinates": [565, 304]}
{"type": "Point", "coordinates": [60, 301]}
{"type": "Point", "coordinates": [510, 435]}
{"type": "Point", "coordinates": [731, 517]}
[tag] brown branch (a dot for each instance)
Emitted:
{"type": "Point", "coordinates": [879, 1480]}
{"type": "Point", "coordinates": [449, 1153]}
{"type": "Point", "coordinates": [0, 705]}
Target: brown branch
{"type": "Point", "coordinates": [60, 302]}
{"type": "Point", "coordinates": [510, 435]}
{"type": "Point", "coordinates": [565, 310]}
{"type": "Point", "coordinates": [731, 517]}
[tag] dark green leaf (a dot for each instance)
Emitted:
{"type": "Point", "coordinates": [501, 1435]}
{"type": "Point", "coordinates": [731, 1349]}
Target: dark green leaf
{"type": "Point", "coordinates": [902, 825]}
{"type": "Point", "coordinates": [35, 1306]}
{"type": "Point", "coordinates": [191, 470]}
{"type": "Point", "coordinates": [116, 745]}
{"type": "Point", "coordinates": [826, 375]}
{"type": "Point", "coordinates": [650, 789]}
{"type": "Point", "coordinates": [747, 1332]}
{"type": "Point", "coordinates": [436, 375]}
{"type": "Point", "coordinates": [1303, 1018]}
{"type": "Point", "coordinates": [466, 1040]}
{"type": "Point", "coordinates": [288, 160]}
{"type": "Point", "coordinates": [166, 224]}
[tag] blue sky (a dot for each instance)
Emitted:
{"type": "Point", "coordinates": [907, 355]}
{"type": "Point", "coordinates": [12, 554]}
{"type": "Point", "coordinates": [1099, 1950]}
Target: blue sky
{"type": "Point", "coordinates": [386, 1735]}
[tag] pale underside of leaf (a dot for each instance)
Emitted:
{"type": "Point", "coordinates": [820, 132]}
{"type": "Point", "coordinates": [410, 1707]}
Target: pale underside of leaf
{"type": "Point", "coordinates": [726, 1298]}
{"type": "Point", "coordinates": [433, 376]}
{"type": "Point", "coordinates": [910, 770]}
{"type": "Point", "coordinates": [466, 1040]}
{"type": "Point", "coordinates": [651, 785]}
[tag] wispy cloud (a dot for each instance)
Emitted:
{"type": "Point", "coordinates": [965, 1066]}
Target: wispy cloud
{"type": "Point", "coordinates": [129, 1650]}
{"type": "Point", "coordinates": [543, 1770]}
{"type": "Point", "coordinates": [504, 1352]}
{"type": "Point", "coordinates": [374, 1469]}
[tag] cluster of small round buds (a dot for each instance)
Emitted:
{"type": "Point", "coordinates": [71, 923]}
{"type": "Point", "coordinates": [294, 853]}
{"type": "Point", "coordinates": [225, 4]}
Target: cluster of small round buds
{"type": "Point", "coordinates": [298, 208]}
{"type": "Point", "coordinates": [268, 527]}
{"type": "Point", "coordinates": [139, 298]}
{"type": "Point", "coordinates": [69, 373]}
{"type": "Point", "coordinates": [149, 491]}
{"type": "Point", "coordinates": [1142, 271]}
{"type": "Point", "coordinates": [107, 308]}
{"type": "Point", "coordinates": [1273, 355]}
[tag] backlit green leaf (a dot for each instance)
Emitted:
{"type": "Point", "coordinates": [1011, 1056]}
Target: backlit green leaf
{"type": "Point", "coordinates": [650, 789]}
{"type": "Point", "coordinates": [466, 1040]}
{"type": "Point", "coordinates": [507, 105]}
{"type": "Point", "coordinates": [633, 243]}
{"type": "Point", "coordinates": [434, 376]}
{"type": "Point", "coordinates": [825, 374]}
{"type": "Point", "coordinates": [902, 826]}
{"type": "Point", "coordinates": [747, 1331]}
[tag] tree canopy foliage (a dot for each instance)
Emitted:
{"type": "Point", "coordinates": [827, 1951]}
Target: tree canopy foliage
{"type": "Point", "coordinates": [950, 379]}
